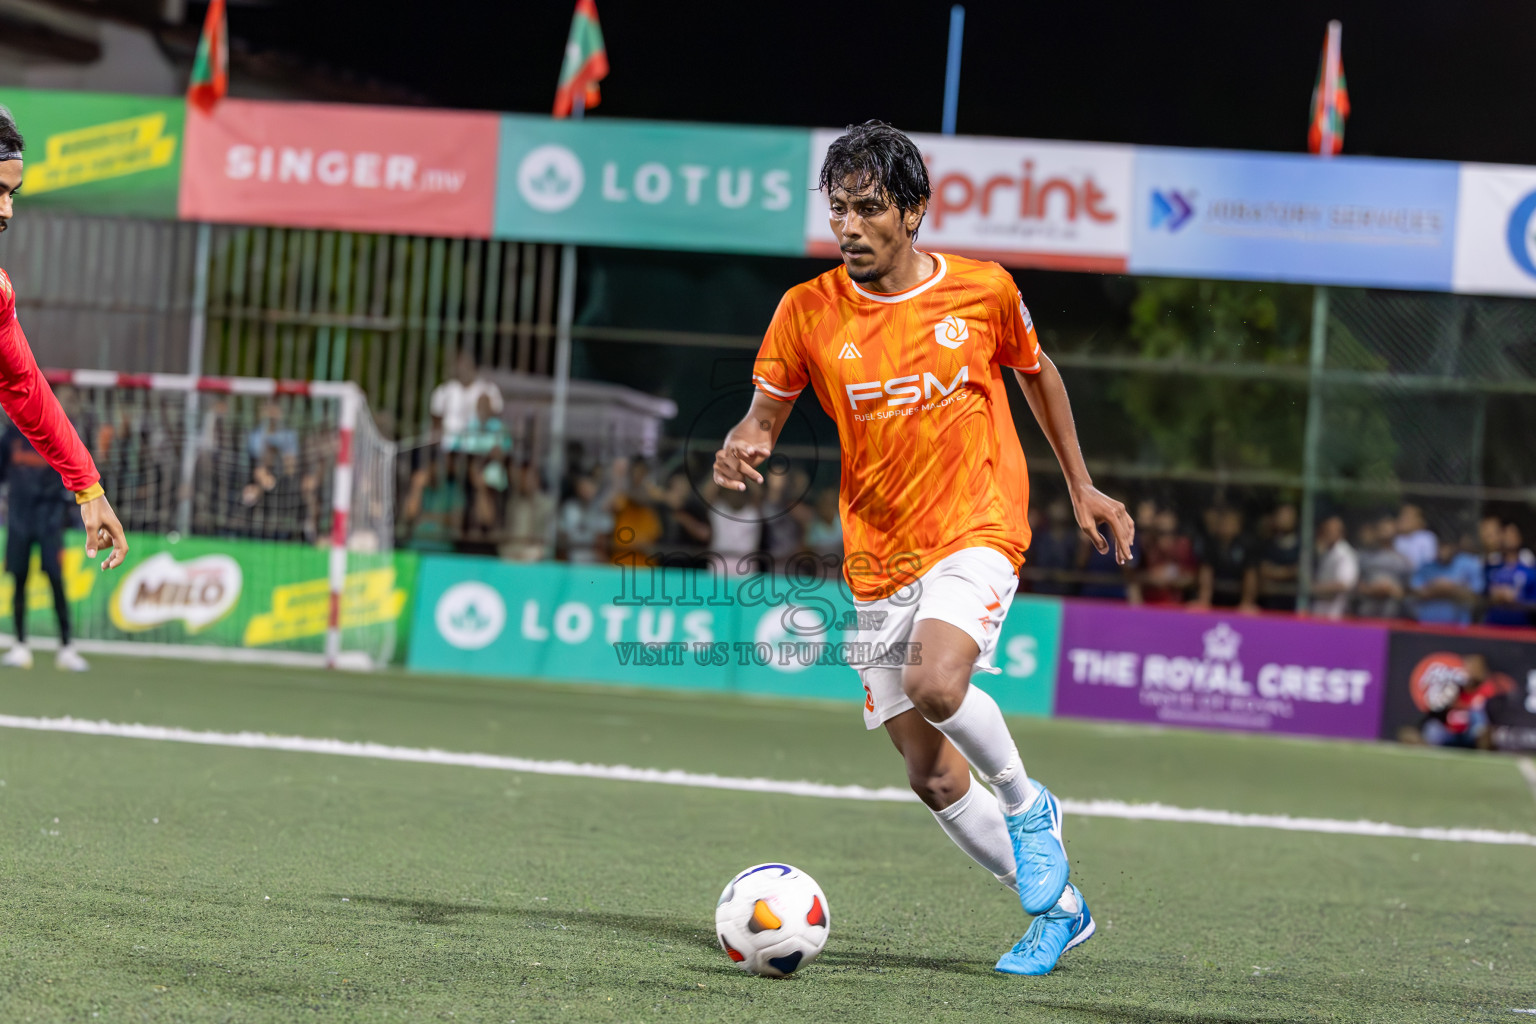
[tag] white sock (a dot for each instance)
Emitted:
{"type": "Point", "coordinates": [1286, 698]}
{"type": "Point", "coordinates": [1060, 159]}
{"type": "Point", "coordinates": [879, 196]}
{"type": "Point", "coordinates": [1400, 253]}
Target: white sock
{"type": "Point", "coordinates": [978, 731]}
{"type": "Point", "coordinates": [975, 823]}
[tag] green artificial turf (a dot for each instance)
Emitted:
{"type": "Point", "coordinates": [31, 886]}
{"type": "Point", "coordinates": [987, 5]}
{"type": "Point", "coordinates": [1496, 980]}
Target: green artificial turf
{"type": "Point", "coordinates": [153, 881]}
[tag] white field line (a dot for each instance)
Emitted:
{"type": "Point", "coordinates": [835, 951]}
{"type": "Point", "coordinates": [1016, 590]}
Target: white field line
{"type": "Point", "coordinates": [675, 777]}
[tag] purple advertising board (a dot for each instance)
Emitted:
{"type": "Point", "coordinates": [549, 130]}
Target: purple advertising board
{"type": "Point", "coordinates": [1220, 671]}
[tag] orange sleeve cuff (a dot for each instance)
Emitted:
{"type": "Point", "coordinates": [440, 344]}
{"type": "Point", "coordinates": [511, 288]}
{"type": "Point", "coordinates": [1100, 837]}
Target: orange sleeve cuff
{"type": "Point", "coordinates": [91, 493]}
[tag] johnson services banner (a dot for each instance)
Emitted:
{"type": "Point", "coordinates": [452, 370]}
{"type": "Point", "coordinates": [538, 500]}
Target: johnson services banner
{"type": "Point", "coordinates": [345, 166]}
{"type": "Point", "coordinates": [99, 153]}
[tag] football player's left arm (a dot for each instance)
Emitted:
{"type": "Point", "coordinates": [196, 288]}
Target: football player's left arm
{"type": "Point", "coordinates": [1047, 397]}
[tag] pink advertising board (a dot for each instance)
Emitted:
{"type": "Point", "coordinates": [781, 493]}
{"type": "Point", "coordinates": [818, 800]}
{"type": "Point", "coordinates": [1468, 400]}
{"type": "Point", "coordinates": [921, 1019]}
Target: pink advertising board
{"type": "Point", "coordinates": [326, 165]}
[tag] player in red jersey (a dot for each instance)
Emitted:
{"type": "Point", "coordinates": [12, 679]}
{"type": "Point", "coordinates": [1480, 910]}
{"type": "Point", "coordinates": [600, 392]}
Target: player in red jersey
{"type": "Point", "coordinates": [30, 402]}
{"type": "Point", "coordinates": [907, 352]}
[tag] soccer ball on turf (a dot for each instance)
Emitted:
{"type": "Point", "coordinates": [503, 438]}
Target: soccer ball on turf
{"type": "Point", "coordinates": [772, 919]}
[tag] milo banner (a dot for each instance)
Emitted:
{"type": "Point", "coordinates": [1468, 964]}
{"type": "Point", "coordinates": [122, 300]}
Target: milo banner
{"type": "Point", "coordinates": [678, 629]}
{"type": "Point", "coordinates": [1457, 680]}
{"type": "Point", "coordinates": [1247, 672]}
{"type": "Point", "coordinates": [223, 593]}
{"type": "Point", "coordinates": [100, 153]}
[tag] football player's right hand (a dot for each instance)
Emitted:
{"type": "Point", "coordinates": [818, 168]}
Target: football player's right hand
{"type": "Point", "coordinates": [734, 464]}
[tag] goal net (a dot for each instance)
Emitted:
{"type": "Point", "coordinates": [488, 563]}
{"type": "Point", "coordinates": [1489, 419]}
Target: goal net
{"type": "Point", "coordinates": [259, 515]}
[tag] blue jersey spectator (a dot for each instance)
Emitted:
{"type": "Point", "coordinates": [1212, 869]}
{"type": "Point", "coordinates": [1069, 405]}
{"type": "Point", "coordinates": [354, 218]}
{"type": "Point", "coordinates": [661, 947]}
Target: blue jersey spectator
{"type": "Point", "coordinates": [1446, 589]}
{"type": "Point", "coordinates": [1511, 583]}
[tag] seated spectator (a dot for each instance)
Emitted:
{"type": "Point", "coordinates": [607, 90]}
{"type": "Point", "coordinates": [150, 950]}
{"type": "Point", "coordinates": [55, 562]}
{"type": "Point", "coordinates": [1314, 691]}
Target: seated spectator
{"type": "Point", "coordinates": [735, 527]}
{"type": "Point", "coordinates": [454, 402]}
{"type": "Point", "coordinates": [1511, 583]}
{"type": "Point", "coordinates": [1338, 570]}
{"type": "Point", "coordinates": [784, 517]}
{"type": "Point", "coordinates": [586, 522]}
{"type": "Point", "coordinates": [1445, 589]}
{"type": "Point", "coordinates": [1415, 539]}
{"type": "Point", "coordinates": [1104, 577]}
{"type": "Point", "coordinates": [1384, 572]}
{"type": "Point", "coordinates": [529, 512]}
{"type": "Point", "coordinates": [824, 533]}
{"type": "Point", "coordinates": [1052, 553]}
{"type": "Point", "coordinates": [485, 434]}
{"type": "Point", "coordinates": [636, 521]}
{"type": "Point", "coordinates": [684, 522]}
{"type": "Point", "coordinates": [1229, 573]}
{"type": "Point", "coordinates": [1170, 567]}
{"type": "Point", "coordinates": [1278, 562]}
{"type": "Point", "coordinates": [433, 507]}
{"type": "Point", "coordinates": [270, 433]}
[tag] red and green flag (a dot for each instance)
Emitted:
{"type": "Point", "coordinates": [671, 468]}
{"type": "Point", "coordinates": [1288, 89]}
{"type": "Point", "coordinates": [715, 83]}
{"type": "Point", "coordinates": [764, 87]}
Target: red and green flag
{"type": "Point", "coordinates": [586, 61]}
{"type": "Point", "coordinates": [210, 68]}
{"type": "Point", "coordinates": [1330, 98]}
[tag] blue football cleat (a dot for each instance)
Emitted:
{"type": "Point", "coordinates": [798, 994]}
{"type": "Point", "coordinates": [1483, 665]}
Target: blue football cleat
{"type": "Point", "coordinates": [1038, 856]}
{"type": "Point", "coordinates": [1051, 934]}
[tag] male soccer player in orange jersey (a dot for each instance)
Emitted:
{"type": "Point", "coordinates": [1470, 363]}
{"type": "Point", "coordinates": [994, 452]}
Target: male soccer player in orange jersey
{"type": "Point", "coordinates": [30, 402]}
{"type": "Point", "coordinates": [906, 351]}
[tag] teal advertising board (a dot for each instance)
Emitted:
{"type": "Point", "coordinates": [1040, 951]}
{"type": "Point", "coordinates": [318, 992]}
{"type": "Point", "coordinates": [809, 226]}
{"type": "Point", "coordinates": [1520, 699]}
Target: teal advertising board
{"type": "Point", "coordinates": [654, 185]}
{"type": "Point", "coordinates": [677, 629]}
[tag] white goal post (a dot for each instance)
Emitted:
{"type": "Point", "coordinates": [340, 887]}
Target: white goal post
{"type": "Point", "coordinates": [260, 515]}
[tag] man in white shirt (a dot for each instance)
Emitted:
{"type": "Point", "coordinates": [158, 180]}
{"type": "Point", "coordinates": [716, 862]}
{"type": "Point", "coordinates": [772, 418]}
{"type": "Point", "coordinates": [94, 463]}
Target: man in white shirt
{"type": "Point", "coordinates": [1338, 570]}
{"type": "Point", "coordinates": [454, 402]}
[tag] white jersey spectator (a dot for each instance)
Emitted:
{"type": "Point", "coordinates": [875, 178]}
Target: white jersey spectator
{"type": "Point", "coordinates": [456, 403]}
{"type": "Point", "coordinates": [1338, 570]}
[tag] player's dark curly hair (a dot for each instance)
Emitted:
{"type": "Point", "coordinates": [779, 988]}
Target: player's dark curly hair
{"type": "Point", "coordinates": [882, 160]}
{"type": "Point", "coordinates": [10, 136]}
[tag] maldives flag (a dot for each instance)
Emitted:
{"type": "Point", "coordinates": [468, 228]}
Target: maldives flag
{"type": "Point", "coordinates": [1330, 98]}
{"type": "Point", "coordinates": [210, 68]}
{"type": "Point", "coordinates": [586, 61]}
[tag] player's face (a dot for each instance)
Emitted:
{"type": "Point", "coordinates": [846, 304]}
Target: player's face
{"type": "Point", "coordinates": [10, 181]}
{"type": "Point", "coordinates": [871, 232]}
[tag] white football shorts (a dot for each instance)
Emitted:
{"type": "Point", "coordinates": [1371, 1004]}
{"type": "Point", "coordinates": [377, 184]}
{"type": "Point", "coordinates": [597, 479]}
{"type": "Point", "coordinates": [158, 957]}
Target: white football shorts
{"type": "Point", "coordinates": [971, 589]}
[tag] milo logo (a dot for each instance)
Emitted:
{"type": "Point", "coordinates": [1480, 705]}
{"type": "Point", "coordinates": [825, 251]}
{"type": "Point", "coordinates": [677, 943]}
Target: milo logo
{"type": "Point", "coordinates": [160, 590]}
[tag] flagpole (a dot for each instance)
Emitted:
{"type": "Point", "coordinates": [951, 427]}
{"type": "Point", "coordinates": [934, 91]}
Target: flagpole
{"type": "Point", "coordinates": [565, 314]}
{"type": "Point", "coordinates": [952, 68]}
{"type": "Point", "coordinates": [197, 332]}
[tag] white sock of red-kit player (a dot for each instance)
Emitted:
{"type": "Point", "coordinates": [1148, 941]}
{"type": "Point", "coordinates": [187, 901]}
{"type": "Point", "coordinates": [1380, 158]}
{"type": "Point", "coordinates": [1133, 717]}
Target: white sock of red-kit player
{"type": "Point", "coordinates": [975, 824]}
{"type": "Point", "coordinates": [978, 731]}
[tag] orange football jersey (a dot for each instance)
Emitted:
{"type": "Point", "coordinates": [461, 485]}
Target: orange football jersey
{"type": "Point", "coordinates": [931, 461]}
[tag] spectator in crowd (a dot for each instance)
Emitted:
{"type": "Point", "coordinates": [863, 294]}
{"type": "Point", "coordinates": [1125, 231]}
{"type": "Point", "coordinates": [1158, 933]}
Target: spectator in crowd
{"type": "Point", "coordinates": [1278, 561]}
{"type": "Point", "coordinates": [1490, 532]}
{"type": "Point", "coordinates": [1171, 567]}
{"type": "Point", "coordinates": [1415, 539]}
{"type": "Point", "coordinates": [485, 433]}
{"type": "Point", "coordinates": [1337, 572]}
{"type": "Point", "coordinates": [586, 522]}
{"type": "Point", "coordinates": [1229, 572]}
{"type": "Point", "coordinates": [1104, 577]}
{"type": "Point", "coordinates": [636, 520]}
{"type": "Point", "coordinates": [684, 522]}
{"type": "Point", "coordinates": [433, 508]}
{"type": "Point", "coordinates": [269, 432]}
{"type": "Point", "coordinates": [824, 532]}
{"type": "Point", "coordinates": [785, 514]}
{"type": "Point", "coordinates": [1511, 582]}
{"type": "Point", "coordinates": [454, 403]}
{"type": "Point", "coordinates": [1446, 588]}
{"type": "Point", "coordinates": [736, 528]}
{"type": "Point", "coordinates": [1053, 551]}
{"type": "Point", "coordinates": [529, 513]}
{"type": "Point", "coordinates": [1385, 574]}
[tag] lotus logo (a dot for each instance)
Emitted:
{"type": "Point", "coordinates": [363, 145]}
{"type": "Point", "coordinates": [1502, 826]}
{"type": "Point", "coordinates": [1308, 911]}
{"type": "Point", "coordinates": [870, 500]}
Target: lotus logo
{"type": "Point", "coordinates": [1522, 234]}
{"type": "Point", "coordinates": [1171, 209]}
{"type": "Point", "coordinates": [470, 616]}
{"type": "Point", "coordinates": [950, 332]}
{"type": "Point", "coordinates": [550, 178]}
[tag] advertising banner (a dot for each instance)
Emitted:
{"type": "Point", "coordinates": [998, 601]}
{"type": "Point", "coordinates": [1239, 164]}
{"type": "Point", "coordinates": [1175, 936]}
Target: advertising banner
{"type": "Point", "coordinates": [1021, 202]}
{"type": "Point", "coordinates": [1496, 230]}
{"type": "Point", "coordinates": [678, 629]}
{"type": "Point", "coordinates": [1215, 671]}
{"type": "Point", "coordinates": [99, 153]}
{"type": "Point", "coordinates": [219, 592]}
{"type": "Point", "coordinates": [652, 185]}
{"type": "Point", "coordinates": [1427, 670]}
{"type": "Point", "coordinates": [346, 166]}
{"type": "Point", "coordinates": [1280, 217]}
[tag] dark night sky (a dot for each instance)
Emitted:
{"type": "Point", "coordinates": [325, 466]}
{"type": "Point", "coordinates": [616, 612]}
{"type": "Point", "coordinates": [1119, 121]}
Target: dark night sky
{"type": "Point", "coordinates": [1434, 80]}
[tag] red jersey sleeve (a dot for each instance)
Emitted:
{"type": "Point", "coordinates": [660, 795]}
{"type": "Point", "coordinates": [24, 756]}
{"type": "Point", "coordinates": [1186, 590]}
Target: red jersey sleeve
{"type": "Point", "coordinates": [1018, 346]}
{"type": "Point", "coordinates": [780, 370]}
{"type": "Point", "coordinates": [31, 405]}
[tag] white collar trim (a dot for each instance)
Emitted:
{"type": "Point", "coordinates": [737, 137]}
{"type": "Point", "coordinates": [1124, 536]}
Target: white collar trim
{"type": "Point", "coordinates": [912, 292]}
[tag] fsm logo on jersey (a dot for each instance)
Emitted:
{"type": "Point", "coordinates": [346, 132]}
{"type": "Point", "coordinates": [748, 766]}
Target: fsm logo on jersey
{"type": "Point", "coordinates": [1496, 230]}
{"type": "Point", "coordinates": [656, 185]}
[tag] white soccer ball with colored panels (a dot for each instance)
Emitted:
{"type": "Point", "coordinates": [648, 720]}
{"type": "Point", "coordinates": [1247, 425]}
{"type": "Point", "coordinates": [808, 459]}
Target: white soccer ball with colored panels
{"type": "Point", "coordinates": [772, 920]}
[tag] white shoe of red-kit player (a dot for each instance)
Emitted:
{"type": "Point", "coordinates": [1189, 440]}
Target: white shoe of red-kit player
{"type": "Point", "coordinates": [69, 660]}
{"type": "Point", "coordinates": [19, 656]}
